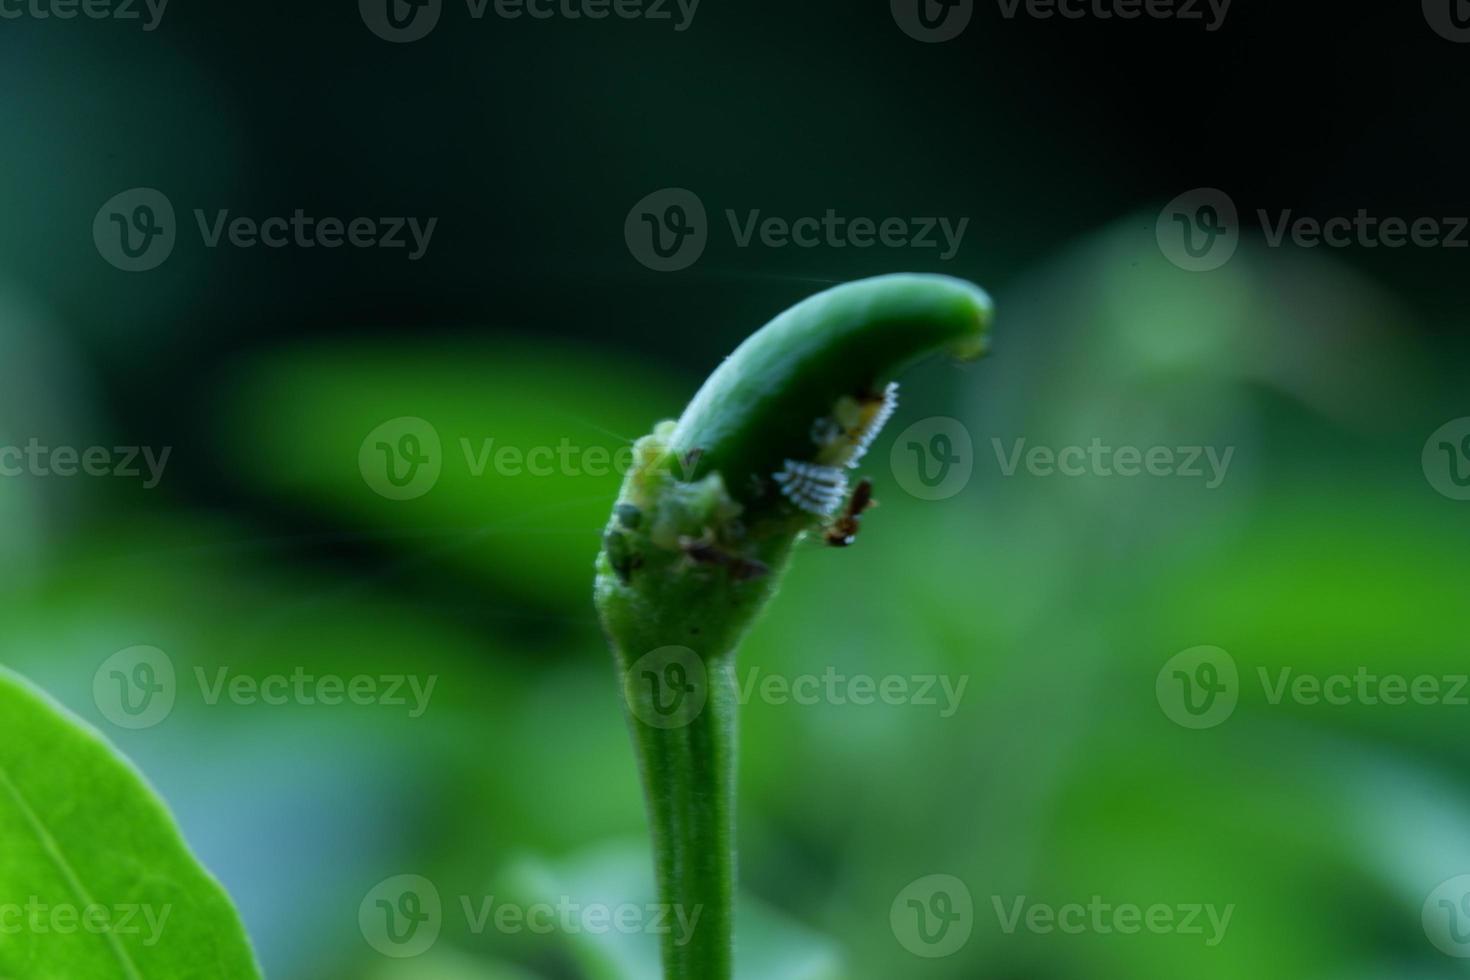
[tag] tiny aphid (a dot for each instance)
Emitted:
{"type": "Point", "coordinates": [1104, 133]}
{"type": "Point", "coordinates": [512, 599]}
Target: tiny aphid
{"type": "Point", "coordinates": [842, 531]}
{"type": "Point", "coordinates": [621, 556]}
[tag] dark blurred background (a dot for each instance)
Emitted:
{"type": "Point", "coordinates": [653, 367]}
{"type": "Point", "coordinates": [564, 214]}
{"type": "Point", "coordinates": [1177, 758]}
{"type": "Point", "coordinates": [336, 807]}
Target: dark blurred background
{"type": "Point", "coordinates": [1332, 545]}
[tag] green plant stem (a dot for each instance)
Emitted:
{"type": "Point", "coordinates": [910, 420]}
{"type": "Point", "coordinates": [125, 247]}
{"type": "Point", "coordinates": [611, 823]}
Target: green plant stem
{"type": "Point", "coordinates": [690, 784]}
{"type": "Point", "coordinates": [699, 538]}
{"type": "Point", "coordinates": [689, 769]}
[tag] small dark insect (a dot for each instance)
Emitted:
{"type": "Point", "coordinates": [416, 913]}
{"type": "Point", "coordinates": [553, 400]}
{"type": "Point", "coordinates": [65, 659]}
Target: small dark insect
{"type": "Point", "coordinates": [690, 460]}
{"type": "Point", "coordinates": [704, 551]}
{"type": "Point", "coordinates": [620, 554]}
{"type": "Point", "coordinates": [844, 528]}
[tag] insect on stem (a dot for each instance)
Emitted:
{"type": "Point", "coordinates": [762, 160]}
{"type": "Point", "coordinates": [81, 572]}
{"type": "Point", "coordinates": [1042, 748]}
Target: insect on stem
{"type": "Point", "coordinates": [707, 520]}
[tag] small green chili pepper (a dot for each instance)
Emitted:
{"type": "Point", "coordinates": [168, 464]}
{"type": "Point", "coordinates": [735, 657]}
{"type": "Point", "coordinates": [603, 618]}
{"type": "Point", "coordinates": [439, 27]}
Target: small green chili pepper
{"type": "Point", "coordinates": [702, 529]}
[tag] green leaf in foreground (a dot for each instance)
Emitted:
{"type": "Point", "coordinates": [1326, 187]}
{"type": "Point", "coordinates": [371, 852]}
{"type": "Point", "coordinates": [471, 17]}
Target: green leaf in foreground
{"type": "Point", "coordinates": [707, 520]}
{"type": "Point", "coordinates": [96, 882]}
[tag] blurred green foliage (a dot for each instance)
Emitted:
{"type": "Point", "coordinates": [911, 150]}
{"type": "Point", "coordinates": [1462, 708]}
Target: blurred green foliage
{"type": "Point", "coordinates": [1057, 599]}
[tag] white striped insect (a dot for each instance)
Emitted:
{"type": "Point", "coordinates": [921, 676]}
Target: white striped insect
{"type": "Point", "coordinates": [815, 488]}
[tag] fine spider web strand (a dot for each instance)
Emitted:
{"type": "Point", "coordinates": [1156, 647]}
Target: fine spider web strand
{"type": "Point", "coordinates": [583, 421]}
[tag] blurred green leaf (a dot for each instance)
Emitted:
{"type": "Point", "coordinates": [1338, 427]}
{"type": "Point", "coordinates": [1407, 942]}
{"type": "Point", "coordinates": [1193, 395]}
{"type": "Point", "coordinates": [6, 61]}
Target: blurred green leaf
{"type": "Point", "coordinates": [617, 875]}
{"type": "Point", "coordinates": [531, 444]}
{"type": "Point", "coordinates": [109, 887]}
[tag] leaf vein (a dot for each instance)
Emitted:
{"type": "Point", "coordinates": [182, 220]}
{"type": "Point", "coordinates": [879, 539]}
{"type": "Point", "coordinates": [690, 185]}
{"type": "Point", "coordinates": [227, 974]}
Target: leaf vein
{"type": "Point", "coordinates": [53, 851]}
